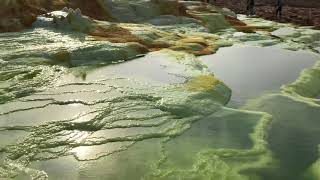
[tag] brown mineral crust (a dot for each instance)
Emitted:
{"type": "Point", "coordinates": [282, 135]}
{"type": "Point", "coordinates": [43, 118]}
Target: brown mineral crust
{"type": "Point", "coordinates": [158, 45]}
{"type": "Point", "coordinates": [171, 7]}
{"type": "Point", "coordinates": [206, 51]}
{"type": "Point", "coordinates": [243, 27]}
{"type": "Point", "coordinates": [197, 40]}
{"type": "Point", "coordinates": [203, 8]}
{"type": "Point", "coordinates": [239, 25]}
{"type": "Point", "coordinates": [234, 21]}
{"type": "Point", "coordinates": [139, 47]}
{"type": "Point", "coordinates": [114, 34]}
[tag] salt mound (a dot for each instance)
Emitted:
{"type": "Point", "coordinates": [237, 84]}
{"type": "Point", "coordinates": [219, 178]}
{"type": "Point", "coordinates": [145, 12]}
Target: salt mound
{"type": "Point", "coordinates": [66, 19]}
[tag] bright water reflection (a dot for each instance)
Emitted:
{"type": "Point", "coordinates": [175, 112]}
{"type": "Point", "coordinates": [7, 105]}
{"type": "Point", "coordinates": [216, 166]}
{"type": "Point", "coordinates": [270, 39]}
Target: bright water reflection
{"type": "Point", "coordinates": [252, 71]}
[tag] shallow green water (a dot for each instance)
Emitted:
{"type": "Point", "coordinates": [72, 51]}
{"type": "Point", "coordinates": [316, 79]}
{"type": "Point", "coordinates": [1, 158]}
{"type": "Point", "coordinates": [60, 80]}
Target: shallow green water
{"type": "Point", "coordinates": [161, 116]}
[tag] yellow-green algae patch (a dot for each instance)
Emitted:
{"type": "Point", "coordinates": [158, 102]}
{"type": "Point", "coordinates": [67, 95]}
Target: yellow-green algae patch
{"type": "Point", "coordinates": [313, 173]}
{"type": "Point", "coordinates": [209, 84]}
{"type": "Point", "coordinates": [307, 85]}
{"type": "Point", "coordinates": [202, 83]}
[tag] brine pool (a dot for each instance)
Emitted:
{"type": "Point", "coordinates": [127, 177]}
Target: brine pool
{"type": "Point", "coordinates": [253, 72]}
{"type": "Point", "coordinates": [155, 118]}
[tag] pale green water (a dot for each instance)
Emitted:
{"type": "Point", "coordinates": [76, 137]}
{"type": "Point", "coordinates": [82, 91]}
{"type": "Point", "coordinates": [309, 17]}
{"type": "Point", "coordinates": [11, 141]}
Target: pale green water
{"type": "Point", "coordinates": [156, 117]}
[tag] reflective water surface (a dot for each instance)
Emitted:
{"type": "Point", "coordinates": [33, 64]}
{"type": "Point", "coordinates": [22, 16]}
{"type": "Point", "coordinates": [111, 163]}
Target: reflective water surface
{"type": "Point", "coordinates": [167, 115]}
{"type": "Point", "coordinates": [252, 71]}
